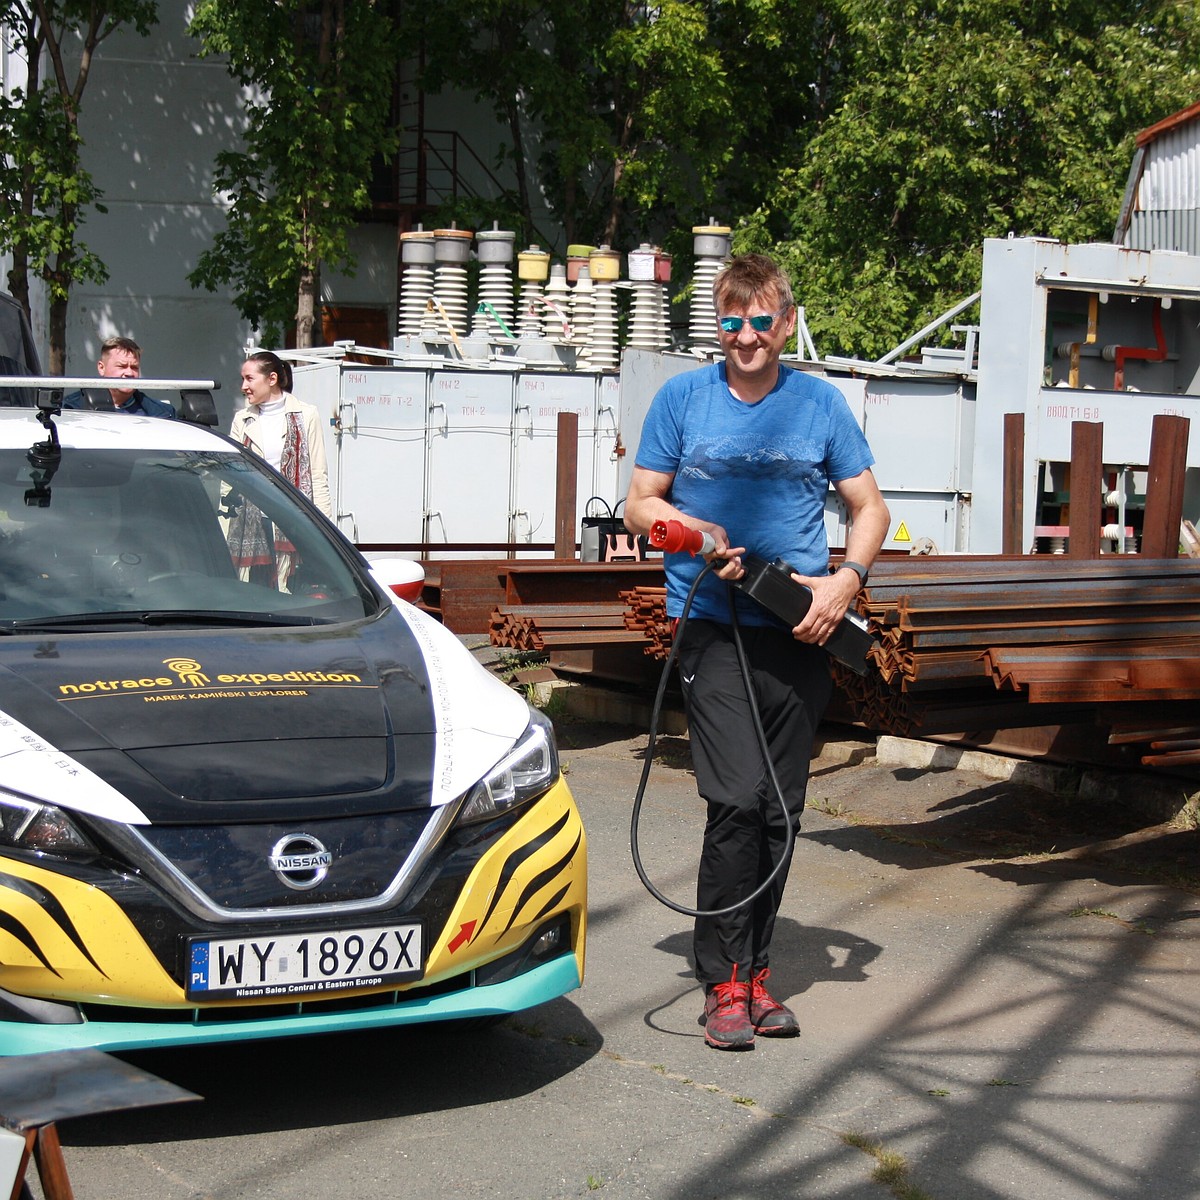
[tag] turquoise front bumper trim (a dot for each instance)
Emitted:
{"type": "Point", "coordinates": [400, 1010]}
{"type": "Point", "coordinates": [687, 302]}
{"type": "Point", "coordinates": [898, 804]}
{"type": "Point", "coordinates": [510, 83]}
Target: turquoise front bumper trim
{"type": "Point", "coordinates": [547, 982]}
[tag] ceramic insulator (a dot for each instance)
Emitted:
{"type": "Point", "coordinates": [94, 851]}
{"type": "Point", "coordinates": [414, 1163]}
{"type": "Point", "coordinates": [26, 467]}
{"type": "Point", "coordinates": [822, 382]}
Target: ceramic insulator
{"type": "Point", "coordinates": [602, 339]}
{"type": "Point", "coordinates": [558, 294]}
{"type": "Point", "coordinates": [496, 289]}
{"type": "Point", "coordinates": [416, 287]}
{"type": "Point", "coordinates": [702, 327]}
{"type": "Point", "coordinates": [529, 321]}
{"type": "Point", "coordinates": [645, 322]}
{"type": "Point", "coordinates": [450, 291]}
{"type": "Point", "coordinates": [582, 302]}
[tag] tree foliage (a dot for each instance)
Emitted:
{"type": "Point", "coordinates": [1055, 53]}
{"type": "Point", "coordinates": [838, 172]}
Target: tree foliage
{"type": "Point", "coordinates": [871, 144]}
{"type": "Point", "coordinates": [44, 191]}
{"type": "Point", "coordinates": [637, 120]}
{"type": "Point", "coordinates": [317, 74]}
{"type": "Point", "coordinates": [960, 120]}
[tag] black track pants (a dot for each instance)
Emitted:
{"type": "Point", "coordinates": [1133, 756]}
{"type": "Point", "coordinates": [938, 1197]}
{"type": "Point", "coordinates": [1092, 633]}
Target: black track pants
{"type": "Point", "coordinates": [745, 833]}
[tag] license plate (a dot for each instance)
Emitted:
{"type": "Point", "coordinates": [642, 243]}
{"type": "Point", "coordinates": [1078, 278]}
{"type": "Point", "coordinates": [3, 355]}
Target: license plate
{"type": "Point", "coordinates": [316, 965]}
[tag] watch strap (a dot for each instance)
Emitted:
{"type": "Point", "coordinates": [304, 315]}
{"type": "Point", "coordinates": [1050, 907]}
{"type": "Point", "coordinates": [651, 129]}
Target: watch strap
{"type": "Point", "coordinates": [857, 568]}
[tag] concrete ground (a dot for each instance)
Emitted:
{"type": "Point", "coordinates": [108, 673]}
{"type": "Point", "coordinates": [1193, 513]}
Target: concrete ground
{"type": "Point", "coordinates": [996, 983]}
{"type": "Point", "coordinates": [997, 987]}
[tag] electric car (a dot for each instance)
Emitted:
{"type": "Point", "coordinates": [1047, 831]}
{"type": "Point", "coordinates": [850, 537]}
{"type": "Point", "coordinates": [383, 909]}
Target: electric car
{"type": "Point", "coordinates": [245, 790]}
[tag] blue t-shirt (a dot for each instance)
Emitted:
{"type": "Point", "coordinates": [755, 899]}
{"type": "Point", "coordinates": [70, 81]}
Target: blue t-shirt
{"type": "Point", "coordinates": [760, 470]}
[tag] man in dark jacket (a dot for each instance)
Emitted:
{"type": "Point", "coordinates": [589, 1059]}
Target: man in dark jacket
{"type": "Point", "coordinates": [121, 358]}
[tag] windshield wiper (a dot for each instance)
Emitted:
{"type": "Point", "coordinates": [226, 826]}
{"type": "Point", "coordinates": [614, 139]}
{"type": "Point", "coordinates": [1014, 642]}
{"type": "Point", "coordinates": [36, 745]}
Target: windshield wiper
{"type": "Point", "coordinates": [217, 616]}
{"type": "Point", "coordinates": [156, 616]}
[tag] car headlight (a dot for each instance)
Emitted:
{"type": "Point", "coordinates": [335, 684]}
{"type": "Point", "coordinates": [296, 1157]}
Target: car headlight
{"type": "Point", "coordinates": [31, 825]}
{"type": "Point", "coordinates": [525, 773]}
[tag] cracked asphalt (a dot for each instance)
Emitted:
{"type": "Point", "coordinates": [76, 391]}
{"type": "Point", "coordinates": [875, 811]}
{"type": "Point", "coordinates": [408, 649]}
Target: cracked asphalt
{"type": "Point", "coordinates": [997, 989]}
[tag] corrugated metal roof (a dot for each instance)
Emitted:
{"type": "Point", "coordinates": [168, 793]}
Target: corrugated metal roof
{"type": "Point", "coordinates": [1161, 208]}
{"type": "Point", "coordinates": [1171, 175]}
{"type": "Point", "coordinates": [1164, 230]}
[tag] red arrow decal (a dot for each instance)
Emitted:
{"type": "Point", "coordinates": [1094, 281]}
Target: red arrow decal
{"type": "Point", "coordinates": [462, 937]}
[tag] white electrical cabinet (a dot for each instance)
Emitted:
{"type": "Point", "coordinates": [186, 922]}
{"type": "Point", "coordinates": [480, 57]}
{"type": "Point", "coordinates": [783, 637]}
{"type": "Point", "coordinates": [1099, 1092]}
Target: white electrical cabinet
{"type": "Point", "coordinates": [470, 464]}
{"type": "Point", "coordinates": [437, 454]}
{"type": "Point", "coordinates": [379, 452]}
{"type": "Point", "coordinates": [541, 397]}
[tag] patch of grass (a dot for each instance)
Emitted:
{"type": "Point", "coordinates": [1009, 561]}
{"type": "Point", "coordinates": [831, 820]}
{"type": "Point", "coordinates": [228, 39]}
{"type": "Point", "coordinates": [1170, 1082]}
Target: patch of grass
{"type": "Point", "coordinates": [1188, 817]}
{"type": "Point", "coordinates": [674, 753]}
{"type": "Point", "coordinates": [556, 705]}
{"type": "Point", "coordinates": [824, 805]}
{"type": "Point", "coordinates": [1003, 1083]}
{"type": "Point", "coordinates": [1187, 879]}
{"type": "Point", "coordinates": [746, 1100]}
{"type": "Point", "coordinates": [891, 833]}
{"type": "Point", "coordinates": [937, 1092]}
{"type": "Point", "coordinates": [509, 663]}
{"type": "Point", "coordinates": [1132, 926]}
{"type": "Point", "coordinates": [1093, 912]}
{"type": "Point", "coordinates": [594, 1184]}
{"type": "Point", "coordinates": [891, 1169]}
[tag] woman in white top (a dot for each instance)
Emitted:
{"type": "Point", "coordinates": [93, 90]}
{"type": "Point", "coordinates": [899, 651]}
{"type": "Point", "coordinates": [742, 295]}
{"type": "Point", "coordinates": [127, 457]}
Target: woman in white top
{"type": "Point", "coordinates": [283, 430]}
{"type": "Point", "coordinates": [287, 433]}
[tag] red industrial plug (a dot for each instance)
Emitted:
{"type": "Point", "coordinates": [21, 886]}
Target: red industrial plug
{"type": "Point", "coordinates": [674, 536]}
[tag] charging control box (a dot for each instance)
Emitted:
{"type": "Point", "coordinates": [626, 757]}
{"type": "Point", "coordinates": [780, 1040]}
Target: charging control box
{"type": "Point", "coordinates": [771, 585]}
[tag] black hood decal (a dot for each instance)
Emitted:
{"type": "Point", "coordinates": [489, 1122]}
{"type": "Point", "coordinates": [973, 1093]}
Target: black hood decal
{"type": "Point", "coordinates": [188, 723]}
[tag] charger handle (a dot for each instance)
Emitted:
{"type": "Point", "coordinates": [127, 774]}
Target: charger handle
{"type": "Point", "coordinates": [673, 535]}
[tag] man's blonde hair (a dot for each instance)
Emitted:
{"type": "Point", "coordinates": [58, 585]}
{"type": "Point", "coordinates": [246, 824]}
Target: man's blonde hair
{"type": "Point", "coordinates": [748, 277]}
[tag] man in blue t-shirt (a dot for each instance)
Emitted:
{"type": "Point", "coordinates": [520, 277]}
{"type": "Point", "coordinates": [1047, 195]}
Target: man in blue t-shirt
{"type": "Point", "coordinates": [751, 447]}
{"type": "Point", "coordinates": [121, 358]}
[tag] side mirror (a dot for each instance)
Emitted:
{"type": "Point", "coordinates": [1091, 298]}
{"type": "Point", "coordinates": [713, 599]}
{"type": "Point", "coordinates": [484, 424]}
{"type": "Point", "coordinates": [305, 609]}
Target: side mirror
{"type": "Point", "coordinates": [400, 577]}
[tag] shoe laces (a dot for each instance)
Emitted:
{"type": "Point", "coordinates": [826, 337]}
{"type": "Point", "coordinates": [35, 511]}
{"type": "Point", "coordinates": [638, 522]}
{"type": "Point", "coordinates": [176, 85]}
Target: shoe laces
{"type": "Point", "coordinates": [730, 993]}
{"type": "Point", "coordinates": [758, 989]}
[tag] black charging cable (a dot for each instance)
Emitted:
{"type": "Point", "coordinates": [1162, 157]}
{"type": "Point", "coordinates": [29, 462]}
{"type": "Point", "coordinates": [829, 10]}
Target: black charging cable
{"type": "Point", "coordinates": [760, 734]}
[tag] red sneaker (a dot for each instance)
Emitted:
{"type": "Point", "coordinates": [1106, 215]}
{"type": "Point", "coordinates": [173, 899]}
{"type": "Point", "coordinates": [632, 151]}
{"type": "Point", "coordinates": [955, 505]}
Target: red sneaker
{"type": "Point", "coordinates": [726, 1016]}
{"type": "Point", "coordinates": [767, 1015]}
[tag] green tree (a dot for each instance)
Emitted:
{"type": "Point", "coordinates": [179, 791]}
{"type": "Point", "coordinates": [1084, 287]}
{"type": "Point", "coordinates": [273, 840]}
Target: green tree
{"type": "Point", "coordinates": [783, 62]}
{"type": "Point", "coordinates": [319, 72]}
{"type": "Point", "coordinates": [959, 120]}
{"type": "Point", "coordinates": [44, 191]}
{"type": "Point", "coordinates": [626, 106]}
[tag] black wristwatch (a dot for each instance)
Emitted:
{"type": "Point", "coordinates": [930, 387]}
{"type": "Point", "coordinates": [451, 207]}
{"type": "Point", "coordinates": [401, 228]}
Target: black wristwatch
{"type": "Point", "coordinates": [857, 568]}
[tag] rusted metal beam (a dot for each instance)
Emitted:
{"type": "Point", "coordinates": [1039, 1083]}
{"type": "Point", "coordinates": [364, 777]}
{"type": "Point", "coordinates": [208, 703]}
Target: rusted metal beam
{"type": "Point", "coordinates": [1087, 470]}
{"type": "Point", "coordinates": [566, 485]}
{"type": "Point", "coordinates": [1164, 486]}
{"type": "Point", "coordinates": [1013, 499]}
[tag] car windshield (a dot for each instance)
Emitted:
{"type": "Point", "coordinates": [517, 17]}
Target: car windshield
{"type": "Point", "coordinates": [163, 535]}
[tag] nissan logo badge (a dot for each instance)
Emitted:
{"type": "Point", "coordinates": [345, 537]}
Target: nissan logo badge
{"type": "Point", "coordinates": [300, 861]}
